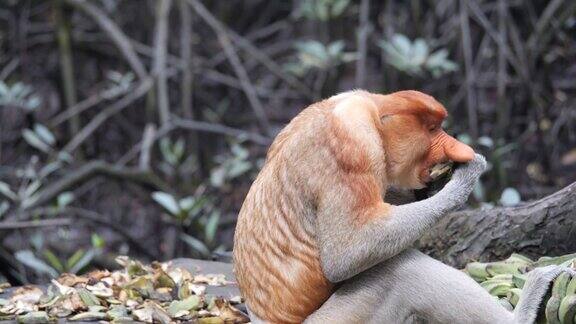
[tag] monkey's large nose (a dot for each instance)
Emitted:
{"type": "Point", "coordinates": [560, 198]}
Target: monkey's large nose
{"type": "Point", "coordinates": [457, 151]}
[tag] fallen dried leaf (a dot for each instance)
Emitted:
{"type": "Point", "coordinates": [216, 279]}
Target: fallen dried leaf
{"type": "Point", "coordinates": [191, 303]}
{"type": "Point", "coordinates": [89, 316]}
{"type": "Point", "coordinates": [71, 280]}
{"type": "Point", "coordinates": [27, 294]}
{"type": "Point", "coordinates": [33, 318]}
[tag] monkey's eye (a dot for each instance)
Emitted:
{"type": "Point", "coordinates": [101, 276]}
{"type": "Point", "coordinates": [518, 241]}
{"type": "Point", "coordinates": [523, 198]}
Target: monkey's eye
{"type": "Point", "coordinates": [433, 128]}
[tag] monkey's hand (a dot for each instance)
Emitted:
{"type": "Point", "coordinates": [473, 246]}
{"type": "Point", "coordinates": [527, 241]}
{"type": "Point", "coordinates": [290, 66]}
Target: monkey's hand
{"type": "Point", "coordinates": [467, 174]}
{"type": "Point", "coordinates": [390, 229]}
{"type": "Point", "coordinates": [457, 190]}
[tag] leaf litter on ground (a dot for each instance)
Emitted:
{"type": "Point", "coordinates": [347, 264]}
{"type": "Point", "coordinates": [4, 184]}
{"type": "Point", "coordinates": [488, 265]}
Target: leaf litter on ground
{"type": "Point", "coordinates": [156, 293]}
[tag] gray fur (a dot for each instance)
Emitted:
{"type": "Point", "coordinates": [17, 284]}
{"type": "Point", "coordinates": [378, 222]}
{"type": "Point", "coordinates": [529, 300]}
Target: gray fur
{"type": "Point", "coordinates": [383, 280]}
{"type": "Point", "coordinates": [414, 288]}
{"type": "Point", "coordinates": [390, 234]}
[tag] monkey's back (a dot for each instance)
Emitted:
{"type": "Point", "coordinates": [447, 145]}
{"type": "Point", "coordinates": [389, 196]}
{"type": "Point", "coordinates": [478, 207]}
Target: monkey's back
{"type": "Point", "coordinates": [276, 258]}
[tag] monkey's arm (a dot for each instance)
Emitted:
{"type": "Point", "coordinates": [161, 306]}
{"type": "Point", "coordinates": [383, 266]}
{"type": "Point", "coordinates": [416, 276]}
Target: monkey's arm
{"type": "Point", "coordinates": [348, 247]}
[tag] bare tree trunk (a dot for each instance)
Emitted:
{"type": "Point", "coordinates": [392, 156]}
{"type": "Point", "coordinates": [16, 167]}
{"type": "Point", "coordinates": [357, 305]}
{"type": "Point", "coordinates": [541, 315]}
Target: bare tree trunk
{"type": "Point", "coordinates": [543, 227]}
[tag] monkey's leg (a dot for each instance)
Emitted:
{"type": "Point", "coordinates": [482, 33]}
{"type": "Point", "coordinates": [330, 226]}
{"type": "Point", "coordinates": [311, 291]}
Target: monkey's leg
{"type": "Point", "coordinates": [413, 287]}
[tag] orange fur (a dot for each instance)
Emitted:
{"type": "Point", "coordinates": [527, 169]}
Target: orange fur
{"type": "Point", "coordinates": [359, 142]}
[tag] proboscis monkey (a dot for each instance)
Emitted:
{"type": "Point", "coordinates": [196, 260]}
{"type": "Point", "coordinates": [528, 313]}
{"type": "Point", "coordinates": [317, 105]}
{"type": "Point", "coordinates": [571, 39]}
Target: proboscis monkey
{"type": "Point", "coordinates": [316, 242]}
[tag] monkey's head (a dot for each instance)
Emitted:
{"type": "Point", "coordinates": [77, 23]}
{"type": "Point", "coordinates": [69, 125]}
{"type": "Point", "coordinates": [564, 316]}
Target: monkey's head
{"type": "Point", "coordinates": [413, 139]}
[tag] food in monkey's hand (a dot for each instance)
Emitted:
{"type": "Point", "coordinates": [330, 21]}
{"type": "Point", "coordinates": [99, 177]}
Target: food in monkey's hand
{"type": "Point", "coordinates": [505, 280]}
{"type": "Point", "coordinates": [440, 170]}
{"type": "Point", "coordinates": [439, 174]}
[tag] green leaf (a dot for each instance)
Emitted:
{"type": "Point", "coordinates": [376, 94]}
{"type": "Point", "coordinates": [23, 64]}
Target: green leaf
{"type": "Point", "coordinates": [238, 168]}
{"type": "Point", "coordinates": [195, 244]}
{"type": "Point", "coordinates": [218, 176]}
{"type": "Point", "coordinates": [53, 260]}
{"type": "Point", "coordinates": [322, 11]}
{"type": "Point", "coordinates": [45, 134]}
{"type": "Point", "coordinates": [28, 258]}
{"type": "Point", "coordinates": [419, 52]}
{"type": "Point", "coordinates": [165, 149]}
{"type": "Point", "coordinates": [186, 204]}
{"type": "Point", "coordinates": [75, 258]}
{"type": "Point", "coordinates": [486, 141]}
{"type": "Point", "coordinates": [4, 206]}
{"type": "Point", "coordinates": [3, 90]}
{"type": "Point", "coordinates": [335, 48]}
{"type": "Point", "coordinates": [178, 148]}
{"type": "Point", "coordinates": [338, 7]}
{"type": "Point", "coordinates": [97, 241]}
{"type": "Point", "coordinates": [167, 201]}
{"type": "Point", "coordinates": [88, 298]}
{"type": "Point", "coordinates": [239, 151]}
{"type": "Point", "coordinates": [64, 199]}
{"type": "Point", "coordinates": [31, 138]}
{"type": "Point", "coordinates": [510, 197]}
{"type": "Point", "coordinates": [402, 44]}
{"type": "Point", "coordinates": [192, 302]}
{"type": "Point", "coordinates": [5, 191]}
{"type": "Point", "coordinates": [37, 241]}
{"type": "Point", "coordinates": [437, 57]}
{"type": "Point", "coordinates": [83, 261]}
{"type": "Point", "coordinates": [212, 226]}
{"type": "Point", "coordinates": [465, 138]}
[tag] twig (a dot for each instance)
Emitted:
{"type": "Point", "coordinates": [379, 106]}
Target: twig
{"type": "Point", "coordinates": [159, 66]}
{"type": "Point", "coordinates": [35, 223]}
{"type": "Point", "coordinates": [544, 32]}
{"type": "Point", "coordinates": [246, 84]}
{"type": "Point", "coordinates": [147, 142]}
{"type": "Point", "coordinates": [197, 126]}
{"type": "Point", "coordinates": [499, 38]}
{"type": "Point", "coordinates": [119, 229]}
{"type": "Point", "coordinates": [115, 34]}
{"type": "Point", "coordinates": [234, 60]}
{"type": "Point", "coordinates": [543, 22]}
{"type": "Point", "coordinates": [187, 87]}
{"type": "Point", "coordinates": [186, 57]}
{"type": "Point", "coordinates": [467, 49]}
{"type": "Point", "coordinates": [252, 37]}
{"type": "Point", "coordinates": [88, 103]}
{"type": "Point", "coordinates": [363, 31]}
{"type": "Point", "coordinates": [66, 65]}
{"type": "Point", "coordinates": [221, 129]}
{"type": "Point", "coordinates": [9, 68]}
{"type": "Point", "coordinates": [99, 119]}
{"type": "Point", "coordinates": [502, 109]}
{"type": "Point", "coordinates": [90, 170]}
{"type": "Point", "coordinates": [250, 48]}
{"type": "Point", "coordinates": [388, 30]}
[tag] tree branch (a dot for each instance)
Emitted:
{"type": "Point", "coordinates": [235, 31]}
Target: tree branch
{"type": "Point", "coordinates": [115, 34]}
{"type": "Point", "coordinates": [159, 67]}
{"type": "Point", "coordinates": [99, 119]}
{"type": "Point", "coordinates": [250, 48]}
{"type": "Point", "coordinates": [543, 227]}
{"type": "Point", "coordinates": [245, 83]}
{"type": "Point", "coordinates": [35, 223]}
{"type": "Point", "coordinates": [363, 31]}
{"type": "Point", "coordinates": [90, 170]}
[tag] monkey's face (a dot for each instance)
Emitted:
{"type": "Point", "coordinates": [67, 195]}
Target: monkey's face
{"type": "Point", "coordinates": [414, 140]}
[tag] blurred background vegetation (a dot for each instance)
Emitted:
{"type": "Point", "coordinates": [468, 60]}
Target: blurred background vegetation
{"type": "Point", "coordinates": [136, 126]}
